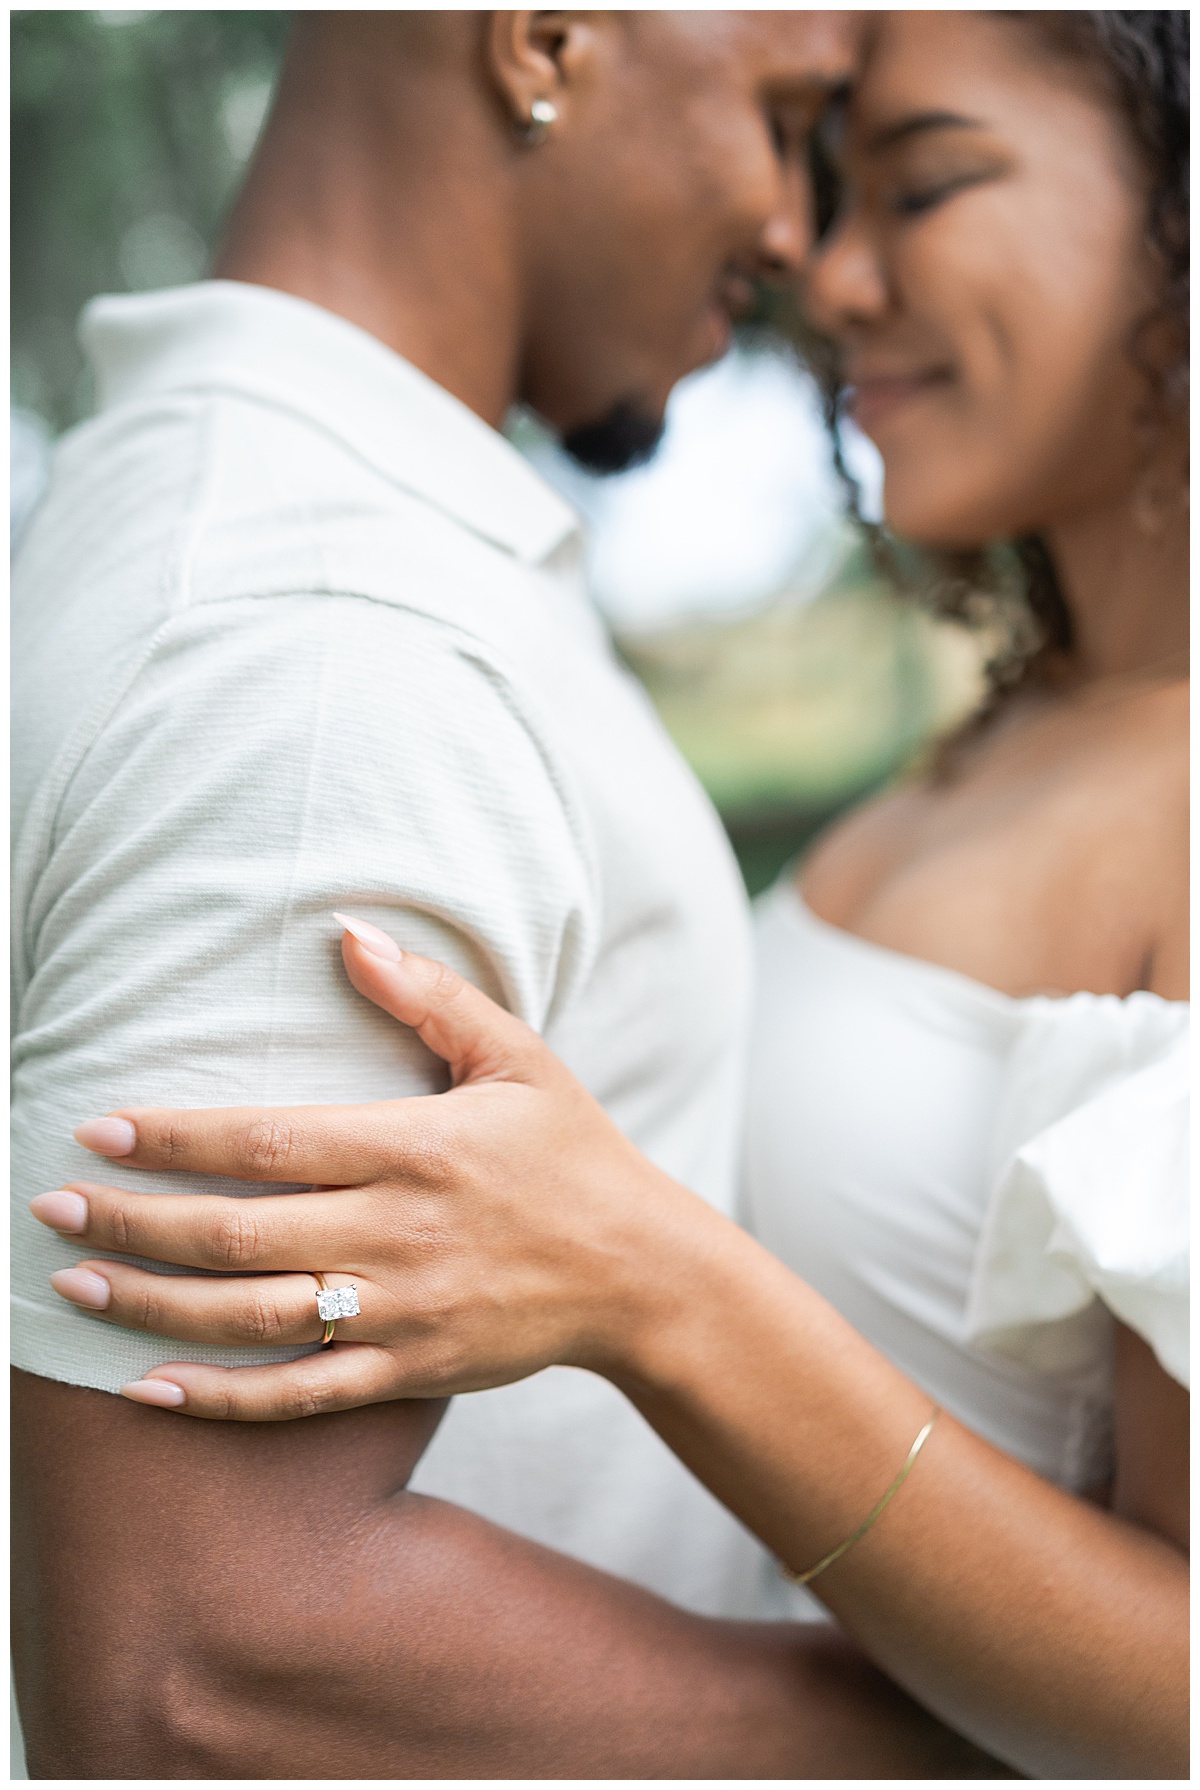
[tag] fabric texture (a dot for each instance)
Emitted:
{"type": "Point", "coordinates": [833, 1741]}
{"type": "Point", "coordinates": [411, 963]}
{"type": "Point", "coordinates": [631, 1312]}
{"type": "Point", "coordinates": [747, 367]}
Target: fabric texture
{"type": "Point", "coordinates": [296, 631]}
{"type": "Point", "coordinates": [1093, 1204]}
{"type": "Point", "coordinates": [979, 1184]}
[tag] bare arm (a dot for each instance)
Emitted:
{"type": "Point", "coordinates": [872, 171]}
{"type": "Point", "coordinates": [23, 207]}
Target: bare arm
{"type": "Point", "coordinates": [1051, 1631]}
{"type": "Point", "coordinates": [246, 1601]}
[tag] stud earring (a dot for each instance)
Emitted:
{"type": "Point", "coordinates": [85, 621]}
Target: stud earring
{"type": "Point", "coordinates": [542, 114]}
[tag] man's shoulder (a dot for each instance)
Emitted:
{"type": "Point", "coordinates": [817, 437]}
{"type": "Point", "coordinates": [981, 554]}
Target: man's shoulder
{"type": "Point", "coordinates": [211, 496]}
{"type": "Point", "coordinates": [258, 600]}
{"type": "Point", "coordinates": [307, 749]}
{"type": "Point", "coordinates": [205, 528]}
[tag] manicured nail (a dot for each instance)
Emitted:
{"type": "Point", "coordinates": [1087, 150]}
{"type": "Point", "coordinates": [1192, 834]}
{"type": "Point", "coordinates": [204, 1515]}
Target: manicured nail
{"type": "Point", "coordinates": [82, 1287]}
{"type": "Point", "coordinates": [67, 1212]}
{"type": "Point", "coordinates": [107, 1137]}
{"type": "Point", "coordinates": [371, 938]}
{"type": "Point", "coordinates": [154, 1392]}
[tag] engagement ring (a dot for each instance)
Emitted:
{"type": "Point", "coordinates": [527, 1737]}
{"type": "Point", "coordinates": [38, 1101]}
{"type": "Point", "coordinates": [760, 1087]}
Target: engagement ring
{"type": "Point", "coordinates": [334, 1303]}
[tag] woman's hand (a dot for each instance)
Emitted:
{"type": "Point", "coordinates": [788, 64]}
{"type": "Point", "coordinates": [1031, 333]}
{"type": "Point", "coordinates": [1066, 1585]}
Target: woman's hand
{"type": "Point", "coordinates": [490, 1231]}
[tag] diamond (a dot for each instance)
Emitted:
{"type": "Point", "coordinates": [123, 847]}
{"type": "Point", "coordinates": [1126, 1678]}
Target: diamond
{"type": "Point", "coordinates": [338, 1302]}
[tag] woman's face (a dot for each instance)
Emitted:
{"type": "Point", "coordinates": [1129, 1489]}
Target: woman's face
{"type": "Point", "coordinates": [983, 278]}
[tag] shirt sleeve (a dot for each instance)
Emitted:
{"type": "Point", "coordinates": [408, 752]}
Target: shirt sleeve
{"type": "Point", "coordinates": [268, 761]}
{"type": "Point", "coordinates": [1092, 1209]}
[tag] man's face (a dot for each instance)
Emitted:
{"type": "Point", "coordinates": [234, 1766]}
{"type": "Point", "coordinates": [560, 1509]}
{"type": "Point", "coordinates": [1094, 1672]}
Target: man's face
{"type": "Point", "coordinates": [678, 177]}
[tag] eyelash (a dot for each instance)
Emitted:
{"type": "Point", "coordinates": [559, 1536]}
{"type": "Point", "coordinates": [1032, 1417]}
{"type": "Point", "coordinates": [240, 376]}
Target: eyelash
{"type": "Point", "coordinates": [913, 204]}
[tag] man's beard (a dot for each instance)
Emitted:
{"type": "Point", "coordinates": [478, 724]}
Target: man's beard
{"type": "Point", "coordinates": [626, 437]}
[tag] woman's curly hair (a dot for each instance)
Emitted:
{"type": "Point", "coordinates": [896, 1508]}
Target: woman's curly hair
{"type": "Point", "coordinates": [1141, 60]}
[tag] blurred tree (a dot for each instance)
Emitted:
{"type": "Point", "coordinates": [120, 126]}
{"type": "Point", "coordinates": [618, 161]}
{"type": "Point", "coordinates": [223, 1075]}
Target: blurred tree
{"type": "Point", "coordinates": [129, 134]}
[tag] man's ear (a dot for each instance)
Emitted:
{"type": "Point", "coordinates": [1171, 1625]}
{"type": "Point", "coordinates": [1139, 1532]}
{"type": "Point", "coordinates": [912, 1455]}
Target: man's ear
{"type": "Point", "coordinates": [538, 56]}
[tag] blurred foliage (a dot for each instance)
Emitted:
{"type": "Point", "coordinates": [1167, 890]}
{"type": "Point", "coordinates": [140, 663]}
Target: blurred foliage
{"type": "Point", "coordinates": [793, 712]}
{"type": "Point", "coordinates": [130, 131]}
{"type": "Point", "coordinates": [129, 134]}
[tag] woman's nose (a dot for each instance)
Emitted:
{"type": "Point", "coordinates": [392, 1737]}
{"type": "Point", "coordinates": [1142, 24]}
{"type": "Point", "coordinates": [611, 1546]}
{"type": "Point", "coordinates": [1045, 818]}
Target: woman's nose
{"type": "Point", "coordinates": [843, 279]}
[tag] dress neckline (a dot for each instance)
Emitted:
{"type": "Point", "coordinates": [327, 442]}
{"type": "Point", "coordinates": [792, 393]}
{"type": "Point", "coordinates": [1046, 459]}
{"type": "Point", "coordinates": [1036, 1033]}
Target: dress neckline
{"type": "Point", "coordinates": [982, 993]}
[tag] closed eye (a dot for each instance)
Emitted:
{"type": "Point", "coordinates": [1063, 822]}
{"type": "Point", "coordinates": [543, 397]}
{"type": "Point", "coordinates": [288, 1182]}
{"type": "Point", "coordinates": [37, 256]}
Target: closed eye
{"type": "Point", "coordinates": [916, 200]}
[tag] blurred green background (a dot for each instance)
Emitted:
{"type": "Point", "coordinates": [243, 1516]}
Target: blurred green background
{"type": "Point", "coordinates": [792, 693]}
{"type": "Point", "coordinates": [130, 131]}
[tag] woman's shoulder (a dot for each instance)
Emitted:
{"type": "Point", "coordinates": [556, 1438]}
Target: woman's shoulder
{"type": "Point", "coordinates": [1150, 755]}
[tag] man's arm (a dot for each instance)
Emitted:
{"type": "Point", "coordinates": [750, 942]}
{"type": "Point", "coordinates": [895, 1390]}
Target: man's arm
{"type": "Point", "coordinates": [245, 1601]}
{"type": "Point", "coordinates": [271, 1601]}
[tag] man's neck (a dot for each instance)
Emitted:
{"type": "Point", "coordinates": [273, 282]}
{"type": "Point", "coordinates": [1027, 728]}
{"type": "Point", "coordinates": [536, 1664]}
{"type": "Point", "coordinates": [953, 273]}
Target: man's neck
{"type": "Point", "coordinates": [388, 224]}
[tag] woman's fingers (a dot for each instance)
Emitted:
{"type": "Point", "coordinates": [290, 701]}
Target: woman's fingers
{"type": "Point", "coordinates": [479, 1040]}
{"type": "Point", "coordinates": [337, 1379]}
{"type": "Point", "coordinates": [272, 1231]}
{"type": "Point", "coordinates": [251, 1312]}
{"type": "Point", "coordinates": [332, 1145]}
{"type": "Point", "coordinates": [337, 1145]}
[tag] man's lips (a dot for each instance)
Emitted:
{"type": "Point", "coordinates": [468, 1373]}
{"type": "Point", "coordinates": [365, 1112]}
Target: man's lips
{"type": "Point", "coordinates": [875, 396]}
{"type": "Point", "coordinates": [733, 297]}
{"type": "Point", "coordinates": [736, 295]}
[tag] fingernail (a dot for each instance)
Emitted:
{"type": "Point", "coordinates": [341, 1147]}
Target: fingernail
{"type": "Point", "coordinates": [82, 1287]}
{"type": "Point", "coordinates": [107, 1137]}
{"type": "Point", "coordinates": [61, 1211]}
{"type": "Point", "coordinates": [371, 938]}
{"type": "Point", "coordinates": [154, 1392]}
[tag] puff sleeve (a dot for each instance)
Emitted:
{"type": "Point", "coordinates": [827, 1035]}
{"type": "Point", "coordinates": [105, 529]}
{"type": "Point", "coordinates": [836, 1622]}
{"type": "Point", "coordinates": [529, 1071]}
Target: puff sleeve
{"type": "Point", "coordinates": [1090, 1201]}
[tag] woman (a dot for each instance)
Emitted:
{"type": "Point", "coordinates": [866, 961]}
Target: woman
{"type": "Point", "coordinates": [971, 1010]}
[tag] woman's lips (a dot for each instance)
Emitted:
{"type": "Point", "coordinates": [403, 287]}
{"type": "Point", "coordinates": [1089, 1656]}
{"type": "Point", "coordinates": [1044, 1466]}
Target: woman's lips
{"type": "Point", "coordinates": [875, 398]}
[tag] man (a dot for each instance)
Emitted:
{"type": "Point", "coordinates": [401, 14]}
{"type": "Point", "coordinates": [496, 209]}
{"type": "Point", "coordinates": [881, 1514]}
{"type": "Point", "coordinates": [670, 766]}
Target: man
{"type": "Point", "coordinates": [297, 630]}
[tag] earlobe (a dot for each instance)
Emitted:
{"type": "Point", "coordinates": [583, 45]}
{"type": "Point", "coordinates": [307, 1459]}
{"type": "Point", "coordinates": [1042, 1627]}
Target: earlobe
{"type": "Point", "coordinates": [542, 114]}
{"type": "Point", "coordinates": [526, 54]}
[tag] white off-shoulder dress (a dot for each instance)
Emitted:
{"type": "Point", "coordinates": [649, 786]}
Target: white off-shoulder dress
{"type": "Point", "coordinates": [979, 1184]}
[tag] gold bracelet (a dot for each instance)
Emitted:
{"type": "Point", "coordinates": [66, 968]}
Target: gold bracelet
{"type": "Point", "coordinates": [803, 1578]}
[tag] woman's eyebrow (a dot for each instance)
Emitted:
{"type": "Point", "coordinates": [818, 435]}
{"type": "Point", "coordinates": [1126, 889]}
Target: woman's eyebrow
{"type": "Point", "coordinates": [890, 134]}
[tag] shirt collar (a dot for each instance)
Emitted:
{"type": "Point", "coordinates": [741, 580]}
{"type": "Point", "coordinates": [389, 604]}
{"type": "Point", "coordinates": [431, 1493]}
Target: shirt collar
{"type": "Point", "coordinates": [296, 356]}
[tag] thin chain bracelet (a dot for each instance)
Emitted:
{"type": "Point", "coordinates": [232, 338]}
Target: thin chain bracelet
{"type": "Point", "coordinates": [804, 1578]}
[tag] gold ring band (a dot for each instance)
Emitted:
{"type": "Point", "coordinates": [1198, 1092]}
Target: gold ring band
{"type": "Point", "coordinates": [323, 1284]}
